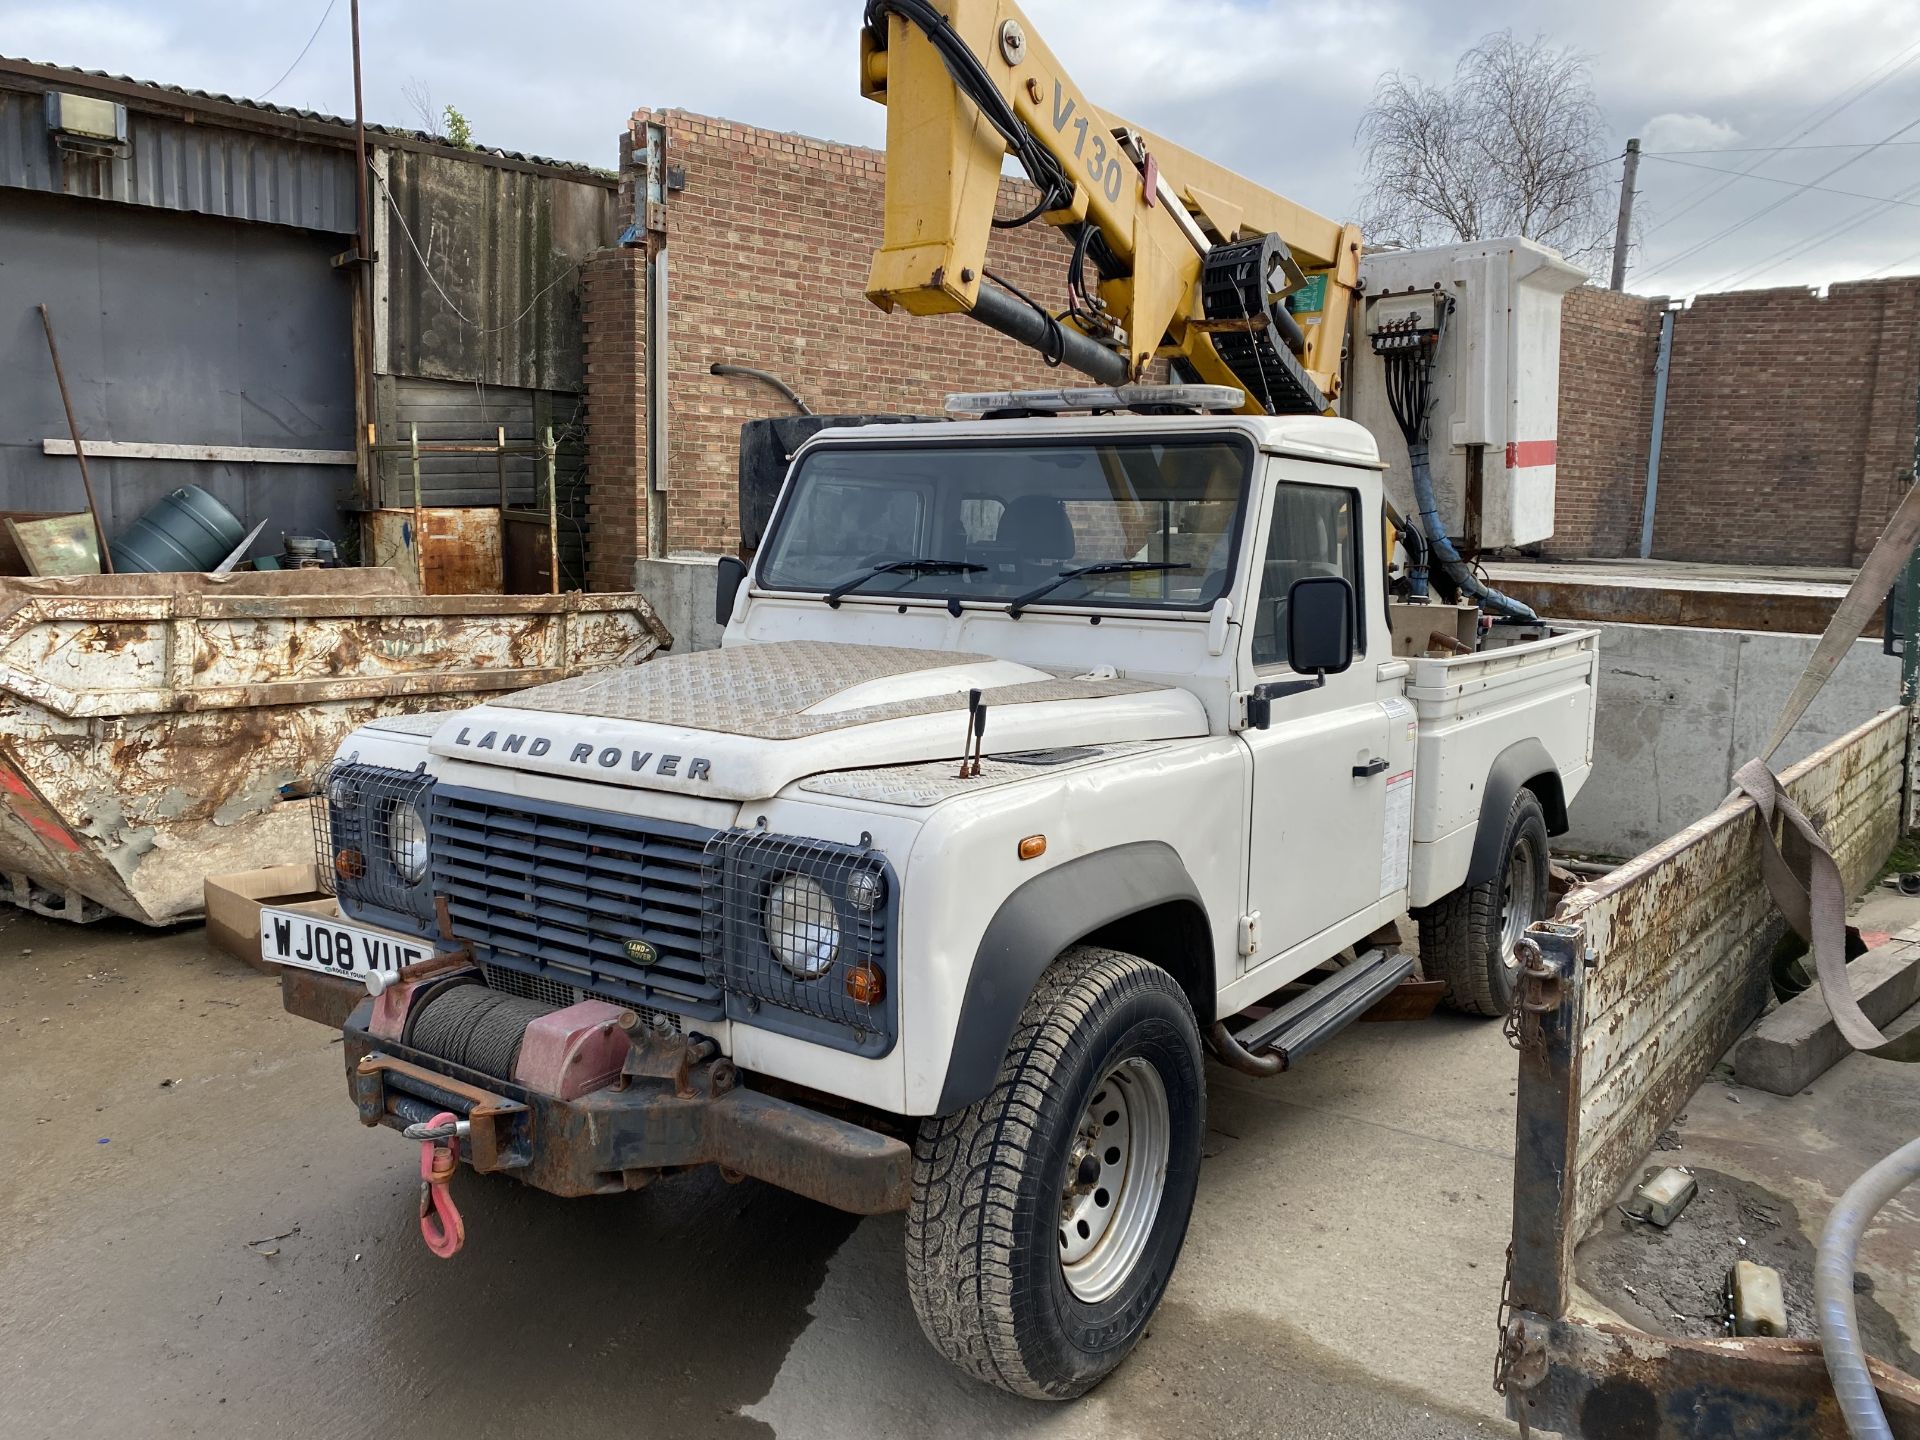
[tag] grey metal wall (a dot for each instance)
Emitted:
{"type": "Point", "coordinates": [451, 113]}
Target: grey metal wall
{"type": "Point", "coordinates": [470, 413]}
{"type": "Point", "coordinates": [498, 299]}
{"type": "Point", "coordinates": [173, 328]}
{"type": "Point", "coordinates": [209, 169]}
{"type": "Point", "coordinates": [465, 413]}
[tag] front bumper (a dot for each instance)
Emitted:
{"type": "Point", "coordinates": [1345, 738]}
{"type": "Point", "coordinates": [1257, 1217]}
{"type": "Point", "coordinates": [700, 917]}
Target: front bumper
{"type": "Point", "coordinates": [666, 1114]}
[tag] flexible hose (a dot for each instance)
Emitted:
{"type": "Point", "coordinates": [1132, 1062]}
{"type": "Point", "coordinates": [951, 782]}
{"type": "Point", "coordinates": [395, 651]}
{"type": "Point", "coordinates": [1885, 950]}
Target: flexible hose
{"type": "Point", "coordinates": [1457, 569]}
{"type": "Point", "coordinates": [1833, 1290]}
{"type": "Point", "coordinates": [1417, 559]}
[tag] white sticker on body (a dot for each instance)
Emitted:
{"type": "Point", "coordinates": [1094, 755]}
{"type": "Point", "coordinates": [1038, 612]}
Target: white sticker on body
{"type": "Point", "coordinates": [1396, 845]}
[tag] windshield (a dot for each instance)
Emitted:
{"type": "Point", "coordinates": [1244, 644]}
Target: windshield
{"type": "Point", "coordinates": [992, 522]}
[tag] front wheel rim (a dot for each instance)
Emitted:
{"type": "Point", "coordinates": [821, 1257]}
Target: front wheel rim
{"type": "Point", "coordinates": [1517, 898]}
{"type": "Point", "coordinates": [1116, 1176]}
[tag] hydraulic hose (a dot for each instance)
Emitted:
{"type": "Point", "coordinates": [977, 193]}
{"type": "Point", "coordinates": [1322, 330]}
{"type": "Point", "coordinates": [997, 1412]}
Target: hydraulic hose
{"type": "Point", "coordinates": [1418, 558]}
{"type": "Point", "coordinates": [1833, 1290]}
{"type": "Point", "coordinates": [765, 377]}
{"type": "Point", "coordinates": [1449, 558]}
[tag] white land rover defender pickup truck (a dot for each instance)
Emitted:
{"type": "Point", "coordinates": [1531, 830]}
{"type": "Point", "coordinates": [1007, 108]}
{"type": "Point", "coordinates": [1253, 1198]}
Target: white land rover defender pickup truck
{"type": "Point", "coordinates": [1039, 749]}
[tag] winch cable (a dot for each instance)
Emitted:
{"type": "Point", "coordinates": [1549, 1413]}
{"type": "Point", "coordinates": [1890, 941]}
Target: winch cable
{"type": "Point", "coordinates": [477, 1027]}
{"type": "Point", "coordinates": [1409, 383]}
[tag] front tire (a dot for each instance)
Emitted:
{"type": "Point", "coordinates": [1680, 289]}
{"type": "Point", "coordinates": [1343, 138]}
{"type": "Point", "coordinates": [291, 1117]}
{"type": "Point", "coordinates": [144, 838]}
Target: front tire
{"type": "Point", "coordinates": [1047, 1217]}
{"type": "Point", "coordinates": [1468, 938]}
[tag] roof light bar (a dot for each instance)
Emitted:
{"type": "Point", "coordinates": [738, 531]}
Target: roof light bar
{"type": "Point", "coordinates": [1099, 397]}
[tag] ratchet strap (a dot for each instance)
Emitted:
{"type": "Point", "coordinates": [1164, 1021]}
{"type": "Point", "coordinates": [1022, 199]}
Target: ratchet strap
{"type": "Point", "coordinates": [1808, 888]}
{"type": "Point", "coordinates": [1816, 908]}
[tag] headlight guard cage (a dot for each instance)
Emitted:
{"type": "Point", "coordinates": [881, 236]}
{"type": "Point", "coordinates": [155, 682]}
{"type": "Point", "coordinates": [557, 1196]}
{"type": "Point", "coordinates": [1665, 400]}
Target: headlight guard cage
{"type": "Point", "coordinates": [740, 870]}
{"type": "Point", "coordinates": [354, 841]}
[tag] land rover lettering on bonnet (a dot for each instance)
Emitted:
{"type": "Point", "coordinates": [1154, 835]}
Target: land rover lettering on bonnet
{"type": "Point", "coordinates": [607, 757]}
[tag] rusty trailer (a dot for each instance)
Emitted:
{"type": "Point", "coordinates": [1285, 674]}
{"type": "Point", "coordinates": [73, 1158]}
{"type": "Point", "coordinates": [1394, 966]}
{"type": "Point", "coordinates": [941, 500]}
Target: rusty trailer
{"type": "Point", "coordinates": [151, 724]}
{"type": "Point", "coordinates": [1643, 980]}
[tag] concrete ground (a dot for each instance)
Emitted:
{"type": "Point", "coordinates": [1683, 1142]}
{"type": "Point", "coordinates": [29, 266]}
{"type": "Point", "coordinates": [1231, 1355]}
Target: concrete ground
{"type": "Point", "coordinates": [198, 1238]}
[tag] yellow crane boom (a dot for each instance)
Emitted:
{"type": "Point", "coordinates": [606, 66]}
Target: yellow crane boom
{"type": "Point", "coordinates": [1233, 283]}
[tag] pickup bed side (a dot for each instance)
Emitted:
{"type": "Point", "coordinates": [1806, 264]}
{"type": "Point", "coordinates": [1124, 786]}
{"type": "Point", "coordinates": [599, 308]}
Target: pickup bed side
{"type": "Point", "coordinates": [1482, 721]}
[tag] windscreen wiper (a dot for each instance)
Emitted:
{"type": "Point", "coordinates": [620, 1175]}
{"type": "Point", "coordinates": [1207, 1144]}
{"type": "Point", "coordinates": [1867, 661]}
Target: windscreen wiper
{"type": "Point", "coordinates": [1105, 567]}
{"type": "Point", "coordinates": [898, 567]}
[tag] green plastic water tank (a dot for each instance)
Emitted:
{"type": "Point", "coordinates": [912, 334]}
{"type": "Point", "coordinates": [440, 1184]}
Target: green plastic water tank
{"type": "Point", "coordinates": [188, 530]}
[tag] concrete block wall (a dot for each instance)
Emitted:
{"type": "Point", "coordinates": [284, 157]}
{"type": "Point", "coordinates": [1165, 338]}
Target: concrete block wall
{"type": "Point", "coordinates": [1681, 709]}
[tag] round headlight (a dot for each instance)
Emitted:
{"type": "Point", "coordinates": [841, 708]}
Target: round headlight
{"type": "Point", "coordinates": [407, 841]}
{"type": "Point", "coordinates": [865, 890]}
{"type": "Point", "coordinates": [342, 795]}
{"type": "Point", "coordinates": [802, 926]}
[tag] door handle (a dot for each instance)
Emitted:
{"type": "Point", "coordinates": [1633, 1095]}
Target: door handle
{"type": "Point", "coordinates": [1371, 768]}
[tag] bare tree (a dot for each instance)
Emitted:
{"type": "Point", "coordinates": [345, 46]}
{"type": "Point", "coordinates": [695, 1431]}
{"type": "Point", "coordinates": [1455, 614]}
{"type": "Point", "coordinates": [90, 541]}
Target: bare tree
{"type": "Point", "coordinates": [1515, 144]}
{"type": "Point", "coordinates": [419, 97]}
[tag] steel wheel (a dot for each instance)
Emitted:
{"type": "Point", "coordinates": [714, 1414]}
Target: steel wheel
{"type": "Point", "coordinates": [1116, 1174]}
{"type": "Point", "coordinates": [1517, 888]}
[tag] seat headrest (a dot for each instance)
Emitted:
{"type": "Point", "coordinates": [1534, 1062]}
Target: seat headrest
{"type": "Point", "coordinates": [1036, 527]}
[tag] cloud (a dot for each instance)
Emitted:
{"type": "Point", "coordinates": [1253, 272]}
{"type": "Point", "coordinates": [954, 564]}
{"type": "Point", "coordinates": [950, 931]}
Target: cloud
{"type": "Point", "coordinates": [1687, 132]}
{"type": "Point", "coordinates": [1274, 90]}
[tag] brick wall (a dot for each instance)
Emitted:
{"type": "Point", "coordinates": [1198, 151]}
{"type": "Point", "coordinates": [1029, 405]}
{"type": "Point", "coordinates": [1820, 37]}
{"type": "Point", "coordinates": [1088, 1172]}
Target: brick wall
{"type": "Point", "coordinates": [613, 297]}
{"type": "Point", "coordinates": [1608, 345]}
{"type": "Point", "coordinates": [767, 250]}
{"type": "Point", "coordinates": [1789, 427]}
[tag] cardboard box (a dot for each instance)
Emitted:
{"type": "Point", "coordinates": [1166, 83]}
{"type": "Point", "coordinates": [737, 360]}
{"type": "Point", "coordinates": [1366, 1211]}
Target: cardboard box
{"type": "Point", "coordinates": [234, 902]}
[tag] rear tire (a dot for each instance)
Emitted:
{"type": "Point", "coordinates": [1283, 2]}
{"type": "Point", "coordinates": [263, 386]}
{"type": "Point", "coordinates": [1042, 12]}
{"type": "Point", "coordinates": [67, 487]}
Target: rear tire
{"type": "Point", "coordinates": [1467, 939]}
{"type": "Point", "coordinates": [1046, 1218]}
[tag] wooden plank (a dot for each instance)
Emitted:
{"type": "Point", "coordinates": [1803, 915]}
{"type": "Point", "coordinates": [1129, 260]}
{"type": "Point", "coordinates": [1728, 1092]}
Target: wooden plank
{"type": "Point", "coordinates": [62, 545]}
{"type": "Point", "coordinates": [12, 562]}
{"type": "Point", "coordinates": [237, 454]}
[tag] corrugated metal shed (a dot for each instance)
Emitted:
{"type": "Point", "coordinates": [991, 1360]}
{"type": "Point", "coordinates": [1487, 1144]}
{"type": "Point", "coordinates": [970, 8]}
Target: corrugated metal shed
{"type": "Point", "coordinates": [175, 165]}
{"type": "Point", "coordinates": [498, 297]}
{"type": "Point", "coordinates": [307, 124]}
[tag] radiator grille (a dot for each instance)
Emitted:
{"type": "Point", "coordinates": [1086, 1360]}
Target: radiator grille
{"type": "Point", "coordinates": [580, 899]}
{"type": "Point", "coordinates": [552, 992]}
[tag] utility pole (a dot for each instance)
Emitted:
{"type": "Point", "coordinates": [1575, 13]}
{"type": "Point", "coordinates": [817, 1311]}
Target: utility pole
{"type": "Point", "coordinates": [364, 359]}
{"type": "Point", "coordinates": [1627, 176]}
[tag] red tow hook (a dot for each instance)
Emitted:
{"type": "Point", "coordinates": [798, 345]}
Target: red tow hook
{"type": "Point", "coordinates": [440, 1223]}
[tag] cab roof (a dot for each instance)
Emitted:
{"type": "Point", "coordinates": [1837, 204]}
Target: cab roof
{"type": "Point", "coordinates": [1307, 437]}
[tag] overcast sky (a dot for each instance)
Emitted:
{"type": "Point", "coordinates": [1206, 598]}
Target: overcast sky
{"type": "Point", "coordinates": [1272, 89]}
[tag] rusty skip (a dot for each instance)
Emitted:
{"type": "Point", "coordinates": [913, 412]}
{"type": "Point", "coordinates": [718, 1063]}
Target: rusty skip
{"type": "Point", "coordinates": [1663, 963]}
{"type": "Point", "coordinates": [150, 722]}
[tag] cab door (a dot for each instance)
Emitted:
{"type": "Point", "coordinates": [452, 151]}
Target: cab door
{"type": "Point", "coordinates": [1317, 852]}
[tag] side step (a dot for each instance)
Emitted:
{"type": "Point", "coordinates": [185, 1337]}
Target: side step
{"type": "Point", "coordinates": [1310, 1020]}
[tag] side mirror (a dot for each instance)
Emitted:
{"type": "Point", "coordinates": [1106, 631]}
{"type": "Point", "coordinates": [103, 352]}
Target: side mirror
{"type": "Point", "coordinates": [1319, 642]}
{"type": "Point", "coordinates": [726, 587]}
{"type": "Point", "coordinates": [1320, 625]}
